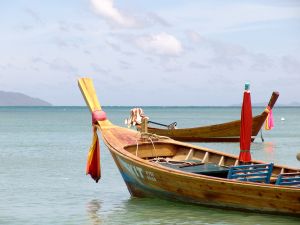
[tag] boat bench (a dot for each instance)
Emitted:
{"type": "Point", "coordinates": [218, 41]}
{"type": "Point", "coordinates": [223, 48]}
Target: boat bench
{"type": "Point", "coordinates": [290, 179]}
{"type": "Point", "coordinates": [197, 167]}
{"type": "Point", "coordinates": [252, 173]}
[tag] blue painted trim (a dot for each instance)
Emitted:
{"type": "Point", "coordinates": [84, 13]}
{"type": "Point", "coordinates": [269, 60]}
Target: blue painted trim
{"type": "Point", "coordinates": [155, 192]}
{"type": "Point", "coordinates": [288, 179]}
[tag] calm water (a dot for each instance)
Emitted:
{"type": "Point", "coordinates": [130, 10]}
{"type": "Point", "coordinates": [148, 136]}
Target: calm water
{"type": "Point", "coordinates": [42, 168]}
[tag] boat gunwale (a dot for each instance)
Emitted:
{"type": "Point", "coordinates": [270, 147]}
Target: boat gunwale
{"type": "Point", "coordinates": [131, 157]}
{"type": "Point", "coordinates": [207, 126]}
{"type": "Point", "coordinates": [221, 132]}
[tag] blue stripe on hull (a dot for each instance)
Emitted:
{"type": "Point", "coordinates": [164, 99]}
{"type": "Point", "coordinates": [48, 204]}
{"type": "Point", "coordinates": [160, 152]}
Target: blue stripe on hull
{"type": "Point", "coordinates": [137, 189]}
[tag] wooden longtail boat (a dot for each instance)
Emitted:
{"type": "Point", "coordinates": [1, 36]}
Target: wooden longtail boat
{"type": "Point", "coordinates": [155, 166]}
{"type": "Point", "coordinates": [224, 132]}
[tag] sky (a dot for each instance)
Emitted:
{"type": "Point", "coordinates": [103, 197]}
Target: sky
{"type": "Point", "coordinates": [165, 53]}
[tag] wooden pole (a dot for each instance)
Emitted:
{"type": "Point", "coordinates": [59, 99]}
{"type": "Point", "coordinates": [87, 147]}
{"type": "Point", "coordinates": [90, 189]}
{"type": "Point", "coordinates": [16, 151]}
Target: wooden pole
{"type": "Point", "coordinates": [273, 99]}
{"type": "Point", "coordinates": [144, 129]}
{"type": "Point", "coordinates": [144, 125]}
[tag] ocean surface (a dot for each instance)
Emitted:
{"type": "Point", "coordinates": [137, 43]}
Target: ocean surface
{"type": "Point", "coordinates": [43, 153]}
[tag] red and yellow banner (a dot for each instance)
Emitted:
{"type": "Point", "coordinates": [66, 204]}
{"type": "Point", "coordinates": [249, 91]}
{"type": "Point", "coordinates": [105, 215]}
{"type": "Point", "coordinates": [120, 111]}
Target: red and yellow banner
{"type": "Point", "coordinates": [93, 159]}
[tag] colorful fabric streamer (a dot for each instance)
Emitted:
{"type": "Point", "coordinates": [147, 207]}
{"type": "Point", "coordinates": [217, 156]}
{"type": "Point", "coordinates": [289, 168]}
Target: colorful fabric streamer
{"type": "Point", "coordinates": [93, 159]}
{"type": "Point", "coordinates": [136, 115]}
{"type": "Point", "coordinates": [269, 123]}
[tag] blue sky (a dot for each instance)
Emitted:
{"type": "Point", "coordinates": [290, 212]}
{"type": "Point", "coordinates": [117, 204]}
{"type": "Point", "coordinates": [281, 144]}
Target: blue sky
{"type": "Point", "coordinates": [168, 52]}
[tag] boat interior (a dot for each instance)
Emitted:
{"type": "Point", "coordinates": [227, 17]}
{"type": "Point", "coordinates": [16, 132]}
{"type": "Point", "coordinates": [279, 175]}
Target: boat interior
{"type": "Point", "coordinates": [211, 163]}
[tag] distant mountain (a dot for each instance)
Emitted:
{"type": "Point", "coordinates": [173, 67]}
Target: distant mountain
{"type": "Point", "coordinates": [19, 99]}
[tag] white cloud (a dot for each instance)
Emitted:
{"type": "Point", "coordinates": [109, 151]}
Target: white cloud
{"type": "Point", "coordinates": [106, 9]}
{"type": "Point", "coordinates": [160, 44]}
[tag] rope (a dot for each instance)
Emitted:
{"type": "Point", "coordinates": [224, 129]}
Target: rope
{"type": "Point", "coordinates": [156, 137]}
{"type": "Point", "coordinates": [137, 148]}
{"type": "Point", "coordinates": [150, 137]}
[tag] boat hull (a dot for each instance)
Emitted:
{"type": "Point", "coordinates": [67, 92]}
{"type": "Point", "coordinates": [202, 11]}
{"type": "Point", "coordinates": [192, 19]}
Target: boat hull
{"type": "Point", "coordinates": [148, 181]}
{"type": "Point", "coordinates": [223, 132]}
{"type": "Point", "coordinates": [226, 132]}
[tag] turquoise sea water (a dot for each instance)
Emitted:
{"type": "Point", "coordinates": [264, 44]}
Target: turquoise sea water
{"type": "Point", "coordinates": [42, 168]}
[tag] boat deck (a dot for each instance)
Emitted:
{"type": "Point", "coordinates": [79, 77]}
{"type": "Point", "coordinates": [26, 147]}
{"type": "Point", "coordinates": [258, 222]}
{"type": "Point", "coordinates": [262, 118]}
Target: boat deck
{"type": "Point", "coordinates": [211, 169]}
{"type": "Point", "coordinates": [196, 160]}
{"type": "Point", "coordinates": [197, 167]}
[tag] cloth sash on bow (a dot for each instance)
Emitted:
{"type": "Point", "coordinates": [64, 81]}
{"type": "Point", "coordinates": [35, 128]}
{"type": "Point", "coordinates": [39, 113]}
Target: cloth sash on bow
{"type": "Point", "coordinates": [93, 160]}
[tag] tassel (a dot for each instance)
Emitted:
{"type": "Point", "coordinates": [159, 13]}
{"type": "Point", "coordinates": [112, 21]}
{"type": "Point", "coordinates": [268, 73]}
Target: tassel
{"type": "Point", "coordinates": [269, 123]}
{"type": "Point", "coordinates": [93, 159]}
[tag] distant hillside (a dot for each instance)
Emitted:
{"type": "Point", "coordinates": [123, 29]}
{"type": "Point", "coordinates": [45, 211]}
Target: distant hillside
{"type": "Point", "coordinates": [18, 99]}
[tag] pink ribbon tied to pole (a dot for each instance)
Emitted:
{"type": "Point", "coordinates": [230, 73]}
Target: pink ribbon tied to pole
{"type": "Point", "coordinates": [269, 123]}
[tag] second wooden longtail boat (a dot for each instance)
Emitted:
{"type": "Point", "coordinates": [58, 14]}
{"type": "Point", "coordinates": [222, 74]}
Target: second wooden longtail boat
{"type": "Point", "coordinates": [223, 132]}
{"type": "Point", "coordinates": [155, 166]}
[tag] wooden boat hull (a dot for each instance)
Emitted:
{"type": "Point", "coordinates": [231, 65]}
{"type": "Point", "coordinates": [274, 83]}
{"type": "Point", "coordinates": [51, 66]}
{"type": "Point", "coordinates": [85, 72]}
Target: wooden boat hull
{"type": "Point", "coordinates": [224, 132]}
{"type": "Point", "coordinates": [147, 181]}
{"type": "Point", "coordinates": [137, 157]}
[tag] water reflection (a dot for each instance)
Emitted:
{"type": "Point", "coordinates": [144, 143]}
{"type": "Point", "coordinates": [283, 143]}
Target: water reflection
{"type": "Point", "coordinates": [157, 211]}
{"type": "Point", "coordinates": [269, 149]}
{"type": "Point", "coordinates": [92, 209]}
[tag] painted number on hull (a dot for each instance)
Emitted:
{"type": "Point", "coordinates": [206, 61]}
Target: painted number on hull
{"type": "Point", "coordinates": [138, 172]}
{"type": "Point", "coordinates": [150, 176]}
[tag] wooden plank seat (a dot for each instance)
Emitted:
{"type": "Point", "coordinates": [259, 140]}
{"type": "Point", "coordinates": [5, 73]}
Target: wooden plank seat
{"type": "Point", "coordinates": [290, 179]}
{"type": "Point", "coordinates": [252, 173]}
